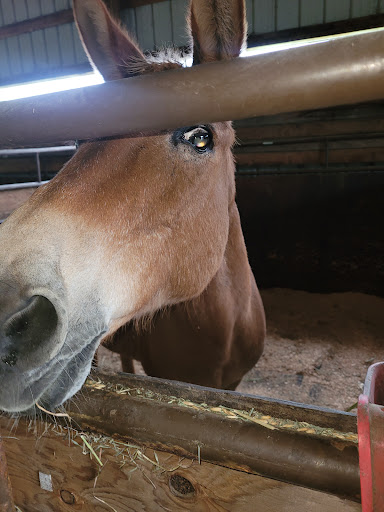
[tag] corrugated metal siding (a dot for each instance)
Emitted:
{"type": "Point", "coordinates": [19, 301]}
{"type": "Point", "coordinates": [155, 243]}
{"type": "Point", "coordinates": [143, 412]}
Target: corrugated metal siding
{"type": "Point", "coordinates": [154, 26]}
{"type": "Point", "coordinates": [159, 24]}
{"type": "Point", "coordinates": [40, 52]}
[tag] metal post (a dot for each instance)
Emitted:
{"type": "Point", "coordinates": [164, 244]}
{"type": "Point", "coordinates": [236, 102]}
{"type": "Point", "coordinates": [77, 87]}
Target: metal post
{"type": "Point", "coordinates": [38, 167]}
{"type": "Point", "coordinates": [370, 422]}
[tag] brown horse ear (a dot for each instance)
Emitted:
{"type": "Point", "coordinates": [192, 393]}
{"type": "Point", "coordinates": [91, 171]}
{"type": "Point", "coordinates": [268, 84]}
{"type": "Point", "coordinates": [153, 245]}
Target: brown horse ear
{"type": "Point", "coordinates": [109, 48]}
{"type": "Point", "coordinates": [218, 29]}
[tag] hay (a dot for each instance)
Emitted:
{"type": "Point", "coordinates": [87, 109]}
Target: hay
{"type": "Point", "coordinates": [251, 416]}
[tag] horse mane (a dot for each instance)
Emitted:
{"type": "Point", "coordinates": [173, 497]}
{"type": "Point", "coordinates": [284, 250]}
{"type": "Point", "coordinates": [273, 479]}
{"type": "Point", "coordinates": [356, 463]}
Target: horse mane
{"type": "Point", "coordinates": [164, 59]}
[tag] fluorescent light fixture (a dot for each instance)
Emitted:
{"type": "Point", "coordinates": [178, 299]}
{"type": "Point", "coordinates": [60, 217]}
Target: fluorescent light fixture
{"type": "Point", "coordinates": [276, 47]}
{"type": "Point", "coordinates": [41, 87]}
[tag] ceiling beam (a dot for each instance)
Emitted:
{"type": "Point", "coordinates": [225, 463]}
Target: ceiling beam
{"type": "Point", "coordinates": [323, 29]}
{"type": "Point", "coordinates": [39, 23]}
{"type": "Point", "coordinates": [61, 17]}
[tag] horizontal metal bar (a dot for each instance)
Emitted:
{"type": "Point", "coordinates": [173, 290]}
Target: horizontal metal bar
{"type": "Point", "coordinates": [33, 151]}
{"type": "Point", "coordinates": [339, 71]}
{"type": "Point", "coordinates": [255, 172]}
{"type": "Point", "coordinates": [14, 186]}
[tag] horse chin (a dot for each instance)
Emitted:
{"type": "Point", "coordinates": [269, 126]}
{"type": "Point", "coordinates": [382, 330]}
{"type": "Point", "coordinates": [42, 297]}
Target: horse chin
{"type": "Point", "coordinates": [49, 385]}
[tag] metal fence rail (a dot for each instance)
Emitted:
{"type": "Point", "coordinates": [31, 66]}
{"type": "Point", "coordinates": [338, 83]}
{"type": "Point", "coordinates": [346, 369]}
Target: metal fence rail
{"type": "Point", "coordinates": [344, 70]}
{"type": "Point", "coordinates": [5, 153]}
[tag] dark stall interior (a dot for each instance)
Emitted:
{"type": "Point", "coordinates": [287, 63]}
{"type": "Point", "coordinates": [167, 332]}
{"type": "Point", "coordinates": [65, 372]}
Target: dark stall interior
{"type": "Point", "coordinates": [310, 194]}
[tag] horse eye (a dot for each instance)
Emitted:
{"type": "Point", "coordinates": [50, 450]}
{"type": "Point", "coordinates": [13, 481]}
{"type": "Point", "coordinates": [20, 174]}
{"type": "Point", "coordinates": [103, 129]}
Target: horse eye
{"type": "Point", "coordinates": [199, 137]}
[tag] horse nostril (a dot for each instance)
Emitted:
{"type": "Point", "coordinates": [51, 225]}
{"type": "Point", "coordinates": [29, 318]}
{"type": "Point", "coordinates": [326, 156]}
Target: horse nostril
{"type": "Point", "coordinates": [11, 358]}
{"type": "Point", "coordinates": [29, 332]}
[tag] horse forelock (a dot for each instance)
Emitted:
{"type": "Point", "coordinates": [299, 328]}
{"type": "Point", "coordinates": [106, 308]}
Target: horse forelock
{"type": "Point", "coordinates": [163, 60]}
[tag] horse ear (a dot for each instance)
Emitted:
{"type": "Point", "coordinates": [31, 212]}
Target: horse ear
{"type": "Point", "coordinates": [109, 48]}
{"type": "Point", "coordinates": [218, 29]}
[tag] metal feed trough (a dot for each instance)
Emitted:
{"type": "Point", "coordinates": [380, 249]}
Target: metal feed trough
{"type": "Point", "coordinates": [131, 442]}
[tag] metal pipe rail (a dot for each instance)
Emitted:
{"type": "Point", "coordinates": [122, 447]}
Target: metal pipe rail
{"type": "Point", "coordinates": [5, 153]}
{"type": "Point", "coordinates": [339, 71]}
{"type": "Point", "coordinates": [36, 151]}
{"type": "Point", "coordinates": [17, 186]}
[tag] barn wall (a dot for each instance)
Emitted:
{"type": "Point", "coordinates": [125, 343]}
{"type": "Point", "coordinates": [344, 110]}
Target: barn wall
{"type": "Point", "coordinates": [57, 50]}
{"type": "Point", "coordinates": [42, 52]}
{"type": "Point", "coordinates": [315, 231]}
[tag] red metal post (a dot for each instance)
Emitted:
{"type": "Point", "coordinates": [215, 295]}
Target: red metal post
{"type": "Point", "coordinates": [370, 423]}
{"type": "Point", "coordinates": [6, 500]}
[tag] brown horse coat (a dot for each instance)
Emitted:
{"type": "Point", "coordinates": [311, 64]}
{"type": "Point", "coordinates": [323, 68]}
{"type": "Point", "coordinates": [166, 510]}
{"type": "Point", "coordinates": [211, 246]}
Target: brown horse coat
{"type": "Point", "coordinates": [132, 229]}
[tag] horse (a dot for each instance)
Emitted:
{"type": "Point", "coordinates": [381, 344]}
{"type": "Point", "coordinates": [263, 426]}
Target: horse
{"type": "Point", "coordinates": [136, 243]}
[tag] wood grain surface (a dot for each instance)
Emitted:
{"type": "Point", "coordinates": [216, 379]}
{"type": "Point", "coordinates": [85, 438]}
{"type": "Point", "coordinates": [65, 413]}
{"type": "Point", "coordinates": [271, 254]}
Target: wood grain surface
{"type": "Point", "coordinates": [137, 479]}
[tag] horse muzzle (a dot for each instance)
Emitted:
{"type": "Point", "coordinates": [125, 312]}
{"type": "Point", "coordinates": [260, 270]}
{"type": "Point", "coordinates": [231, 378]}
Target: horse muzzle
{"type": "Point", "coordinates": [41, 358]}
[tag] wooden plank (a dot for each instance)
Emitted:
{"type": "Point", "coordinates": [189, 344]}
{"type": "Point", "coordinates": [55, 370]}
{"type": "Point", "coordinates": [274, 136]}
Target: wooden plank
{"type": "Point", "coordinates": [302, 132]}
{"type": "Point", "coordinates": [125, 405]}
{"type": "Point", "coordinates": [162, 19]}
{"type": "Point", "coordinates": [179, 26]}
{"type": "Point", "coordinates": [328, 123]}
{"type": "Point", "coordinates": [335, 11]}
{"type": "Point", "coordinates": [137, 478]}
{"type": "Point", "coordinates": [327, 418]}
{"type": "Point", "coordinates": [36, 23]}
{"type": "Point", "coordinates": [287, 14]}
{"type": "Point", "coordinates": [144, 27]}
{"type": "Point", "coordinates": [363, 8]}
{"type": "Point", "coordinates": [264, 16]}
{"type": "Point", "coordinates": [310, 157]}
{"type": "Point", "coordinates": [311, 12]}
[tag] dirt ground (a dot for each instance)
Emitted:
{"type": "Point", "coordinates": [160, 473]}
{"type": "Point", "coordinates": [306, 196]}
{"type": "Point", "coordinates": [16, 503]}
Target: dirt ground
{"type": "Point", "coordinates": [318, 347]}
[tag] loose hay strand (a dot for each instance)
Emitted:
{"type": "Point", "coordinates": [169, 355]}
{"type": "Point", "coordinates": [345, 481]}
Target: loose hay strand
{"type": "Point", "coordinates": [57, 414]}
{"type": "Point", "coordinates": [91, 450]}
{"type": "Point", "coordinates": [105, 503]}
